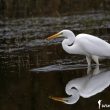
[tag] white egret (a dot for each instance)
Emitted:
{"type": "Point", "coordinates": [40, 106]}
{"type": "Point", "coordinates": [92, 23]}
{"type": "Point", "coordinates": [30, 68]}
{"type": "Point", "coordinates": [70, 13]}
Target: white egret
{"type": "Point", "coordinates": [85, 87]}
{"type": "Point", "coordinates": [90, 46]}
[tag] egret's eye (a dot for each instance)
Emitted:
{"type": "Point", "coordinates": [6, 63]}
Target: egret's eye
{"type": "Point", "coordinates": [61, 33]}
{"type": "Point", "coordinates": [73, 88]}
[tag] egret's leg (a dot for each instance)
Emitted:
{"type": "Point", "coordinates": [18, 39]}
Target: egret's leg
{"type": "Point", "coordinates": [89, 70]}
{"type": "Point", "coordinates": [88, 60]}
{"type": "Point", "coordinates": [96, 59]}
{"type": "Point", "coordinates": [96, 70]}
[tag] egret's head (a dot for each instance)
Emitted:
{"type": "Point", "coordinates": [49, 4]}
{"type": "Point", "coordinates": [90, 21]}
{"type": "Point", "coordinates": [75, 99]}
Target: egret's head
{"type": "Point", "coordinates": [71, 99]}
{"type": "Point", "coordinates": [66, 100]}
{"type": "Point", "coordinates": [63, 33]}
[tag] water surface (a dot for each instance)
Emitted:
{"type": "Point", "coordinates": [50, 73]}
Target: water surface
{"type": "Point", "coordinates": [32, 69]}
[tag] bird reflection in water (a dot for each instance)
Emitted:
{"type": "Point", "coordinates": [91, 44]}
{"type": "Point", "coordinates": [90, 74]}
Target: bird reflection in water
{"type": "Point", "coordinates": [87, 86]}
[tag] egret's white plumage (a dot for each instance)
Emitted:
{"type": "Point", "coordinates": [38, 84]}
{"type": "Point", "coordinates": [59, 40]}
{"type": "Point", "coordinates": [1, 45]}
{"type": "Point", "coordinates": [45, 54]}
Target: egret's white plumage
{"type": "Point", "coordinates": [90, 46]}
{"type": "Point", "coordinates": [86, 86]}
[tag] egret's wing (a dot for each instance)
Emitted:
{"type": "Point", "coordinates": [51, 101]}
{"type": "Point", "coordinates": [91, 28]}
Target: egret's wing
{"type": "Point", "coordinates": [96, 84]}
{"type": "Point", "coordinates": [93, 45]}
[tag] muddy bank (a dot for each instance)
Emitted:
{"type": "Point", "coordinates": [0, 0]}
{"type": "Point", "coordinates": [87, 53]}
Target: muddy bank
{"type": "Point", "coordinates": [32, 31]}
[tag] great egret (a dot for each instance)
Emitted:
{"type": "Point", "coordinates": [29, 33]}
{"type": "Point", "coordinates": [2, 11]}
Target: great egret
{"type": "Point", "coordinates": [86, 86]}
{"type": "Point", "coordinates": [90, 46]}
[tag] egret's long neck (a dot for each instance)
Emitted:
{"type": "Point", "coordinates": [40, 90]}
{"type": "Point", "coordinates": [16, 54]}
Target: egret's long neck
{"type": "Point", "coordinates": [67, 43]}
{"type": "Point", "coordinates": [73, 98]}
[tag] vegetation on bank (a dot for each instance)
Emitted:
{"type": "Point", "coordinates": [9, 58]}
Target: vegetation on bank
{"type": "Point", "coordinates": [32, 8]}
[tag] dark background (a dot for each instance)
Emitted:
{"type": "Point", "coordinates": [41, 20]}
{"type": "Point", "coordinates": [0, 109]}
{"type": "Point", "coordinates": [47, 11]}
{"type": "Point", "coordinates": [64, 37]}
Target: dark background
{"type": "Point", "coordinates": [24, 26]}
{"type": "Point", "coordinates": [32, 8]}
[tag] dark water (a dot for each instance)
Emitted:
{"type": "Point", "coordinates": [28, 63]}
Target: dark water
{"type": "Point", "coordinates": [32, 69]}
